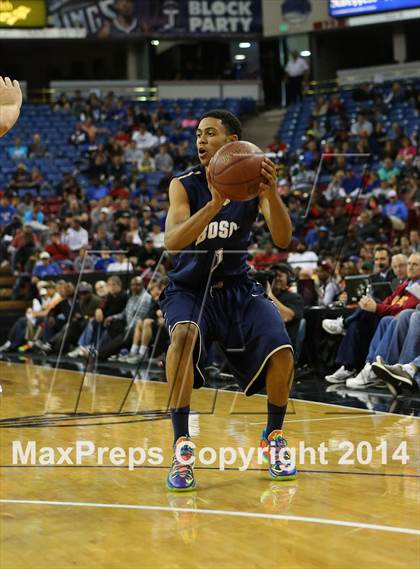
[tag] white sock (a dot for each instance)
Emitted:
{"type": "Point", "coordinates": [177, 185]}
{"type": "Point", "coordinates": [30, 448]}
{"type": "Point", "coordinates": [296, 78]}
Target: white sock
{"type": "Point", "coordinates": [134, 349]}
{"type": "Point", "coordinates": [410, 369]}
{"type": "Point", "coordinates": [6, 345]}
{"type": "Point", "coordinates": [143, 350]}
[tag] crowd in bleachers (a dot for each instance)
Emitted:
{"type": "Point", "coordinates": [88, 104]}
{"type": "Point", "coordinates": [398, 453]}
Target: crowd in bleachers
{"type": "Point", "coordinates": [85, 179]}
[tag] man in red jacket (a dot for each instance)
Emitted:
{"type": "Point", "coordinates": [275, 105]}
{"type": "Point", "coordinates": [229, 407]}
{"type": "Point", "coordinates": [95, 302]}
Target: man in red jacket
{"type": "Point", "coordinates": [360, 327]}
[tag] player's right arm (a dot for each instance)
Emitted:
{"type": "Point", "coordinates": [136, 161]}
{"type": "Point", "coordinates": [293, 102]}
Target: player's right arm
{"type": "Point", "coordinates": [10, 103]}
{"type": "Point", "coordinates": [182, 228]}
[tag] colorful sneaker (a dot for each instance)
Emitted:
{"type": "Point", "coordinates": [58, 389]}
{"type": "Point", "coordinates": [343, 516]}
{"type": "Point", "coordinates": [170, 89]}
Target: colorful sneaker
{"type": "Point", "coordinates": [281, 466]}
{"type": "Point", "coordinates": [181, 475]}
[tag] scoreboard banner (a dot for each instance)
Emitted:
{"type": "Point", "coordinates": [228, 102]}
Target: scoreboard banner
{"type": "Point", "coordinates": [159, 18]}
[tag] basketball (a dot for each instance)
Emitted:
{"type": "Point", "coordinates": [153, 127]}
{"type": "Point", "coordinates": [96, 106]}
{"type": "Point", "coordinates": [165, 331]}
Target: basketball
{"type": "Point", "coordinates": [235, 170]}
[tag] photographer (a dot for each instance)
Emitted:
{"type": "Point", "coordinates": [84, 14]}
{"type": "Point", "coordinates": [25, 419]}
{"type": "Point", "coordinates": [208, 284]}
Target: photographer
{"type": "Point", "coordinates": [289, 304]}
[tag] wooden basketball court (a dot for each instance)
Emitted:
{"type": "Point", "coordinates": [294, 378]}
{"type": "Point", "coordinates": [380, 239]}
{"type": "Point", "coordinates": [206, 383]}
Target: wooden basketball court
{"type": "Point", "coordinates": [105, 515]}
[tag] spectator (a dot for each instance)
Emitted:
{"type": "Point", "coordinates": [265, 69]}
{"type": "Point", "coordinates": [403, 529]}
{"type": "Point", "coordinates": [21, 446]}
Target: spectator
{"type": "Point", "coordinates": [7, 211]}
{"type": "Point", "coordinates": [361, 325]}
{"type": "Point", "coordinates": [396, 210]}
{"type": "Point", "coordinates": [361, 126]}
{"type": "Point", "coordinates": [46, 268]}
{"type": "Point", "coordinates": [288, 303]}
{"type": "Point", "coordinates": [163, 160]}
{"type": "Point", "coordinates": [75, 236]}
{"type": "Point", "coordinates": [120, 265]}
{"type": "Point", "coordinates": [382, 269]}
{"type": "Point", "coordinates": [144, 139]}
{"type": "Point", "coordinates": [328, 289]}
{"type": "Point", "coordinates": [415, 241]}
{"type": "Point", "coordinates": [149, 256]}
{"type": "Point", "coordinates": [19, 151]}
{"type": "Point", "coordinates": [296, 72]}
{"type": "Point", "coordinates": [399, 268]}
{"type": "Point", "coordinates": [37, 148]}
{"type": "Point", "coordinates": [146, 163]}
{"type": "Point", "coordinates": [388, 172]}
{"type": "Point", "coordinates": [137, 308]}
{"type": "Point", "coordinates": [57, 250]}
{"type": "Point", "coordinates": [158, 236]}
{"type": "Point", "coordinates": [267, 258]}
{"type": "Point", "coordinates": [303, 258]}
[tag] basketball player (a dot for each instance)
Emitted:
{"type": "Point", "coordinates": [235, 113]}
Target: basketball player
{"type": "Point", "coordinates": [210, 297]}
{"type": "Point", "coordinates": [10, 103]}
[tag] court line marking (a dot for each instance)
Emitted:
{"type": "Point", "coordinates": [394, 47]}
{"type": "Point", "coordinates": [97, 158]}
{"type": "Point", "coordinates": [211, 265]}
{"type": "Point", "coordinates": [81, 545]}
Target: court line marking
{"type": "Point", "coordinates": [370, 412]}
{"type": "Point", "coordinates": [344, 418]}
{"type": "Point", "coordinates": [305, 519]}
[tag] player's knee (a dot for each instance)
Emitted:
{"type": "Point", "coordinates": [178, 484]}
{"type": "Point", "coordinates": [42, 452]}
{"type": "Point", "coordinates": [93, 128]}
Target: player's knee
{"type": "Point", "coordinates": [184, 336]}
{"type": "Point", "coordinates": [281, 363]}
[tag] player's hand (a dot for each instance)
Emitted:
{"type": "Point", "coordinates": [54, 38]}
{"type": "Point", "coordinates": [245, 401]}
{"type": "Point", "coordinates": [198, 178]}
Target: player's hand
{"type": "Point", "coordinates": [10, 103]}
{"type": "Point", "coordinates": [269, 172]}
{"type": "Point", "coordinates": [217, 199]}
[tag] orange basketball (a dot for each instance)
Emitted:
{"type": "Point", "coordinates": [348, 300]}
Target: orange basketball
{"type": "Point", "coordinates": [235, 170]}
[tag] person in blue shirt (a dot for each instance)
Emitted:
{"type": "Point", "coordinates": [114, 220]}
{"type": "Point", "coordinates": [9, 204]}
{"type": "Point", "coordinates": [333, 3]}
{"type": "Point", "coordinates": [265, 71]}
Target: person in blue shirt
{"type": "Point", "coordinates": [396, 210]}
{"type": "Point", "coordinates": [7, 211]}
{"type": "Point", "coordinates": [45, 268]}
{"type": "Point", "coordinates": [19, 151]}
{"type": "Point", "coordinates": [96, 191]}
{"type": "Point", "coordinates": [34, 214]}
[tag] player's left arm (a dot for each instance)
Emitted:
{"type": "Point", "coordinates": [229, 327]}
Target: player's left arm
{"type": "Point", "coordinates": [10, 103]}
{"type": "Point", "coordinates": [272, 207]}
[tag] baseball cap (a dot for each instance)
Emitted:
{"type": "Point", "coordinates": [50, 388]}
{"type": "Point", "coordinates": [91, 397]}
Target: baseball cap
{"type": "Point", "coordinates": [392, 194]}
{"type": "Point", "coordinates": [45, 255]}
{"type": "Point", "coordinates": [104, 209]}
{"type": "Point", "coordinates": [148, 239]}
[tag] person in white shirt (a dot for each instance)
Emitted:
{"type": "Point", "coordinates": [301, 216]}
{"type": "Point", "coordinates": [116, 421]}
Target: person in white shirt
{"type": "Point", "coordinates": [158, 236]}
{"type": "Point", "coordinates": [303, 258]}
{"type": "Point", "coordinates": [121, 265]}
{"type": "Point", "coordinates": [76, 236]}
{"type": "Point", "coordinates": [143, 138]}
{"type": "Point", "coordinates": [361, 126]}
{"type": "Point", "coordinates": [296, 70]}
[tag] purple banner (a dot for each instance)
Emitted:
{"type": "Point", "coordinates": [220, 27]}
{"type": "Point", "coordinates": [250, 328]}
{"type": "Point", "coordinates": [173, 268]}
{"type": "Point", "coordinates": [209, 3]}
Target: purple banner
{"type": "Point", "coordinates": [158, 18]}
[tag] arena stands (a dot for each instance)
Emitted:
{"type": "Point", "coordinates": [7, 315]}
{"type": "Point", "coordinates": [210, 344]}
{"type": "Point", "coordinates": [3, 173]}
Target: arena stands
{"type": "Point", "coordinates": [91, 175]}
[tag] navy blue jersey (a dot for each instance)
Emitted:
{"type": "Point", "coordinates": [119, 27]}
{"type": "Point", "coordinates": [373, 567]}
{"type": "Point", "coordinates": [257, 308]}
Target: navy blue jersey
{"type": "Point", "coordinates": [221, 250]}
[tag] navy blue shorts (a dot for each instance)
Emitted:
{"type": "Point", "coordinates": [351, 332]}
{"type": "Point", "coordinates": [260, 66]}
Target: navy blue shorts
{"type": "Point", "coordinates": [240, 317]}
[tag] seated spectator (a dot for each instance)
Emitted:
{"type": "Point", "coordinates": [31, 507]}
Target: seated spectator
{"type": "Point", "coordinates": [91, 130]}
{"type": "Point", "coordinates": [163, 160]}
{"type": "Point", "coordinates": [75, 236]}
{"type": "Point", "coordinates": [132, 153]}
{"type": "Point", "coordinates": [144, 139]}
{"type": "Point", "coordinates": [19, 151]}
{"type": "Point", "coordinates": [56, 319]}
{"type": "Point", "coordinates": [58, 251]}
{"type": "Point", "coordinates": [414, 241]}
{"type": "Point", "coordinates": [350, 181]}
{"type": "Point", "coordinates": [388, 172]}
{"type": "Point", "coordinates": [7, 211]}
{"type": "Point", "coordinates": [21, 178]}
{"type": "Point", "coordinates": [382, 266]}
{"type": "Point", "coordinates": [37, 149]}
{"type": "Point", "coordinates": [288, 303]}
{"type": "Point", "coordinates": [303, 258]}
{"type": "Point", "coordinates": [399, 268]}
{"type": "Point", "coordinates": [189, 121]}
{"type": "Point", "coordinates": [63, 104]}
{"type": "Point", "coordinates": [148, 220]}
{"type": "Point", "coordinates": [366, 228]}
{"type": "Point", "coordinates": [113, 301]}
{"type": "Point", "coordinates": [137, 308]}
{"type": "Point", "coordinates": [404, 350]}
{"type": "Point", "coordinates": [158, 236]}
{"type": "Point", "coordinates": [149, 255]}
{"type": "Point", "coordinates": [146, 163]}
{"type": "Point", "coordinates": [79, 136]}
{"type": "Point", "coordinates": [96, 190]}
{"type": "Point", "coordinates": [396, 210]}
{"type": "Point", "coordinates": [360, 327]}
{"type": "Point", "coordinates": [318, 239]}
{"type": "Point", "coordinates": [270, 256]}
{"type": "Point", "coordinates": [35, 213]}
{"type": "Point", "coordinates": [146, 329]}
{"type": "Point", "coordinates": [45, 267]}
{"type": "Point", "coordinates": [361, 126]}
{"type": "Point", "coordinates": [120, 265]}
{"type": "Point", "coordinates": [335, 188]}
{"type": "Point", "coordinates": [22, 248]}
{"type": "Point", "coordinates": [102, 240]}
{"type": "Point", "coordinates": [328, 288]}
{"type": "Point", "coordinates": [84, 262]}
